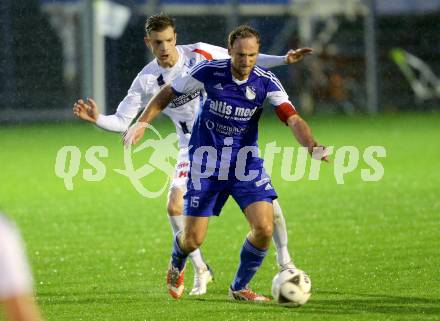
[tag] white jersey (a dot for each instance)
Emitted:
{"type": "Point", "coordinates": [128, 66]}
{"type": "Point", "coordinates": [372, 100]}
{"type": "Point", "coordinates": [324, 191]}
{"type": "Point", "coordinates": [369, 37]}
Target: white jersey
{"type": "Point", "coordinates": [182, 110]}
{"type": "Point", "coordinates": [15, 276]}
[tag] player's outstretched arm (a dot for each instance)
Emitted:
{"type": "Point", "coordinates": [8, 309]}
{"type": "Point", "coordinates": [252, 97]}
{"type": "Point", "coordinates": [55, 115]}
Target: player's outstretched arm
{"type": "Point", "coordinates": [153, 109]}
{"type": "Point", "coordinates": [118, 122]}
{"type": "Point", "coordinates": [302, 132]}
{"type": "Point", "coordinates": [294, 56]}
{"type": "Point", "coordinates": [268, 61]}
{"type": "Point", "coordinates": [157, 104]}
{"type": "Point", "coordinates": [86, 110]}
{"type": "Point", "coordinates": [291, 57]}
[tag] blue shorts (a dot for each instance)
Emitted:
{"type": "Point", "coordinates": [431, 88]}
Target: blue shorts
{"type": "Point", "coordinates": [213, 194]}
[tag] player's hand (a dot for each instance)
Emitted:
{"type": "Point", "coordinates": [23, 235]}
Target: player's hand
{"type": "Point", "coordinates": [294, 56]}
{"type": "Point", "coordinates": [319, 152]}
{"type": "Point", "coordinates": [134, 134]}
{"type": "Point", "coordinates": [86, 110]}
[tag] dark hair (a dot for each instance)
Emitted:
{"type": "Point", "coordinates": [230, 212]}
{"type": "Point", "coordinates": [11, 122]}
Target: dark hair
{"type": "Point", "coordinates": [242, 31]}
{"type": "Point", "coordinates": [158, 22]}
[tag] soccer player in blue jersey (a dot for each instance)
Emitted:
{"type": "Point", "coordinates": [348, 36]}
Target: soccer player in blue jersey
{"type": "Point", "coordinates": [171, 61]}
{"type": "Point", "coordinates": [223, 155]}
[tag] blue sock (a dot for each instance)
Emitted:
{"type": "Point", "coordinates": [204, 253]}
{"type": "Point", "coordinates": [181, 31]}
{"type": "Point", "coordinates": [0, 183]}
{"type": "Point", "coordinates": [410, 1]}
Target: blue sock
{"type": "Point", "coordinates": [178, 257]}
{"type": "Point", "coordinates": [250, 260]}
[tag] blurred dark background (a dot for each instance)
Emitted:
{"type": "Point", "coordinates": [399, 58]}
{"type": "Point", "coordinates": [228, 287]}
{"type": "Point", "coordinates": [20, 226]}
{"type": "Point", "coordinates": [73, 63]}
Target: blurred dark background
{"type": "Point", "coordinates": [41, 76]}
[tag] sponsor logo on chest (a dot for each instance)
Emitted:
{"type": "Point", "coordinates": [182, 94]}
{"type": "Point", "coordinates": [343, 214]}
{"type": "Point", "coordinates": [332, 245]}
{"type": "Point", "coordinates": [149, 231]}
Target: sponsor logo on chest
{"type": "Point", "coordinates": [250, 93]}
{"type": "Point", "coordinates": [223, 109]}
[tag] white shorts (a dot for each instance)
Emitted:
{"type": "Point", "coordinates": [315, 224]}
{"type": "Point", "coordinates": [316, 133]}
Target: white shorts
{"type": "Point", "coordinates": [181, 170]}
{"type": "Point", "coordinates": [15, 275]}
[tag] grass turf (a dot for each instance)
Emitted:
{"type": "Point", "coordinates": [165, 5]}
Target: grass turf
{"type": "Point", "coordinates": [100, 252]}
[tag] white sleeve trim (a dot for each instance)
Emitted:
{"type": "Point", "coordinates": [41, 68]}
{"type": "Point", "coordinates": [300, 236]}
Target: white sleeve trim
{"type": "Point", "coordinates": [277, 98]}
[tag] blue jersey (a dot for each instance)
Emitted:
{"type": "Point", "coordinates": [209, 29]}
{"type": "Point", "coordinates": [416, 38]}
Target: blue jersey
{"type": "Point", "coordinates": [231, 111]}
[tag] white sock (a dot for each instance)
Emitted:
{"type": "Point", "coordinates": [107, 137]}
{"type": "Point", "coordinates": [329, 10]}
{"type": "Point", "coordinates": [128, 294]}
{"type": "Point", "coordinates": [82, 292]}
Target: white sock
{"type": "Point", "coordinates": [280, 235]}
{"type": "Point", "coordinates": [197, 260]}
{"type": "Point", "coordinates": [177, 224]}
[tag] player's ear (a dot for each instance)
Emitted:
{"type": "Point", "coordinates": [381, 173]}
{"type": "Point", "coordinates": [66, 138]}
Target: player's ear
{"type": "Point", "coordinates": [229, 50]}
{"type": "Point", "coordinates": [147, 41]}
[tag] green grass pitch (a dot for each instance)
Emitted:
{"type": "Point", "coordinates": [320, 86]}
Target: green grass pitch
{"type": "Point", "coordinates": [100, 252]}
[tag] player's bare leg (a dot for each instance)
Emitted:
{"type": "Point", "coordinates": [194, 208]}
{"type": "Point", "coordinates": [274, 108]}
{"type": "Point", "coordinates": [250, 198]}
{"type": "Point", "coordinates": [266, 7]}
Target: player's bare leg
{"type": "Point", "coordinates": [202, 273]}
{"type": "Point", "coordinates": [194, 233]}
{"type": "Point", "coordinates": [21, 308]}
{"type": "Point", "coordinates": [280, 238]}
{"type": "Point", "coordinates": [260, 218]}
{"type": "Point", "coordinates": [185, 242]}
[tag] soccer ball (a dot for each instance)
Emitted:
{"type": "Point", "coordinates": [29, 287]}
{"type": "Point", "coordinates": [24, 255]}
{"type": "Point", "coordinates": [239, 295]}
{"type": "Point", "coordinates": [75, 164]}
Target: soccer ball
{"type": "Point", "coordinates": [291, 287]}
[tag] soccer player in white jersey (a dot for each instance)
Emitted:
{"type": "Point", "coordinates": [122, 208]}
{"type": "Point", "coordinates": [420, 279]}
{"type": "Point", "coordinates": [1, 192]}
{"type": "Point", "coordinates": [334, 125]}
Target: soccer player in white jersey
{"type": "Point", "coordinates": [16, 288]}
{"type": "Point", "coordinates": [171, 62]}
